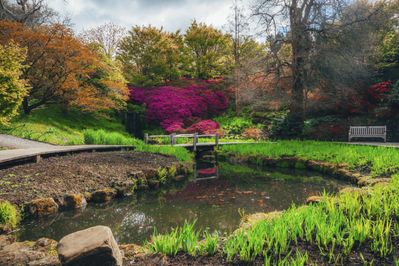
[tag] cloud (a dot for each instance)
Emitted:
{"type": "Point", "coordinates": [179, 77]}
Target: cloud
{"type": "Point", "coordinates": [171, 14]}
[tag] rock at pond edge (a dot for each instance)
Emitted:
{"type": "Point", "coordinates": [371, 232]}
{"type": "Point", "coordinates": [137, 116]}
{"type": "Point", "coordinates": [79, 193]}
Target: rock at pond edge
{"type": "Point", "coordinates": [103, 195]}
{"type": "Point", "coordinates": [93, 246]}
{"type": "Point", "coordinates": [41, 207]}
{"type": "Point", "coordinates": [74, 201]}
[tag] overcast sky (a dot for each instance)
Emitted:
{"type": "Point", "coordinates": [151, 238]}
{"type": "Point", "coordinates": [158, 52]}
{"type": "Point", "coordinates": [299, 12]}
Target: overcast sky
{"type": "Point", "coordinates": [172, 14]}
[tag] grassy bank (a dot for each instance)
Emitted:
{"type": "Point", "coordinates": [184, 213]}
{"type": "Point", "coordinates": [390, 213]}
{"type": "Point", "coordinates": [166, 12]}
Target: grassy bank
{"type": "Point", "coordinates": [53, 126]}
{"type": "Point", "coordinates": [378, 161]}
{"type": "Point", "coordinates": [50, 124]}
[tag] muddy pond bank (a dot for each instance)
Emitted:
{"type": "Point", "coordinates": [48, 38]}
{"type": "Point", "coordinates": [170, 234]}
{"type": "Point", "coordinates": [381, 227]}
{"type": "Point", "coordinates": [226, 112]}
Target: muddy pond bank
{"type": "Point", "coordinates": [80, 173]}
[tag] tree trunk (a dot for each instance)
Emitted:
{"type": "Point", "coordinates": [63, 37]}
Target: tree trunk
{"type": "Point", "coordinates": [300, 50]}
{"type": "Point", "coordinates": [25, 106]}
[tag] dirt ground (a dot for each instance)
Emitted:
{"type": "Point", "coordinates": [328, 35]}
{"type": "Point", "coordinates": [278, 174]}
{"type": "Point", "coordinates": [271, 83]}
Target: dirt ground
{"type": "Point", "coordinates": [74, 174]}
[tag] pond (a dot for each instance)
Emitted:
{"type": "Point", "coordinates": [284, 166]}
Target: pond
{"type": "Point", "coordinates": [214, 197]}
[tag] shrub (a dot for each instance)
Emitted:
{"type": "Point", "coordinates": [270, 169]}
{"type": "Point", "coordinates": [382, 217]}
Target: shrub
{"type": "Point", "coordinates": [204, 127]}
{"type": "Point", "coordinates": [9, 215]}
{"type": "Point", "coordinates": [234, 125]}
{"type": "Point", "coordinates": [253, 133]}
{"type": "Point", "coordinates": [173, 107]}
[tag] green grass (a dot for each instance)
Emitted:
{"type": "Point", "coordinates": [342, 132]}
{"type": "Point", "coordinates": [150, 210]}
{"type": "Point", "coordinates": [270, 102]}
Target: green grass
{"type": "Point", "coordinates": [337, 226]}
{"type": "Point", "coordinates": [334, 228]}
{"type": "Point", "coordinates": [378, 160]}
{"type": "Point", "coordinates": [114, 138]}
{"type": "Point", "coordinates": [52, 125]}
{"type": "Point", "coordinates": [186, 239]}
{"type": "Point", "coordinates": [9, 216]}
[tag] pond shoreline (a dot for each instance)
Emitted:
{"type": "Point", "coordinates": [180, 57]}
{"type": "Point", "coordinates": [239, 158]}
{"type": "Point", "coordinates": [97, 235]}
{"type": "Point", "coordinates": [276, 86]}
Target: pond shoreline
{"type": "Point", "coordinates": [139, 256]}
{"type": "Point", "coordinates": [69, 182]}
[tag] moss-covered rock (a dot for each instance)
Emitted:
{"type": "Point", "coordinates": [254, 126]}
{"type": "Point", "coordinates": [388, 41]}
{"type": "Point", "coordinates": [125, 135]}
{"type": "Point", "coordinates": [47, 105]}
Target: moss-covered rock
{"type": "Point", "coordinates": [73, 201]}
{"type": "Point", "coordinates": [41, 207]}
{"type": "Point", "coordinates": [103, 195]}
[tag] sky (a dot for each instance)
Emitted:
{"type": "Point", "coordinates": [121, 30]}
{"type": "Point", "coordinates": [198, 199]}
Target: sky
{"type": "Point", "coordinates": [171, 14]}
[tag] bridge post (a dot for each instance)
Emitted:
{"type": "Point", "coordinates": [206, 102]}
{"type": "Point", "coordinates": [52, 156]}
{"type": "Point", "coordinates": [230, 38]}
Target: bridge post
{"type": "Point", "coordinates": [146, 138]}
{"type": "Point", "coordinates": [173, 139]}
{"type": "Point", "coordinates": [217, 140]}
{"type": "Point", "coordinates": [195, 140]}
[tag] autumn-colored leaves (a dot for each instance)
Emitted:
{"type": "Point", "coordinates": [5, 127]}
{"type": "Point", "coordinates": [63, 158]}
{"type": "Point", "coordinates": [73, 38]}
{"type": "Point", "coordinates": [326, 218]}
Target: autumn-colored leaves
{"type": "Point", "coordinates": [61, 68]}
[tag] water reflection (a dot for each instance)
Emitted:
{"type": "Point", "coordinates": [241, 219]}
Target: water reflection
{"type": "Point", "coordinates": [214, 203]}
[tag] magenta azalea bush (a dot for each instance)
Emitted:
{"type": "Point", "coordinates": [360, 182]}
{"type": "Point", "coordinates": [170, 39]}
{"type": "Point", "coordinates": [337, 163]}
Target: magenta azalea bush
{"type": "Point", "coordinates": [181, 109]}
{"type": "Point", "coordinates": [205, 127]}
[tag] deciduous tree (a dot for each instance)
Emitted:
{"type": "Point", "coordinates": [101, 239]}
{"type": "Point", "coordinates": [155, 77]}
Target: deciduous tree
{"type": "Point", "coordinates": [209, 51]}
{"type": "Point", "coordinates": [301, 23]}
{"type": "Point", "coordinates": [59, 68]}
{"type": "Point", "coordinates": [151, 56]}
{"type": "Point", "coordinates": [13, 89]}
{"type": "Point", "coordinates": [107, 37]}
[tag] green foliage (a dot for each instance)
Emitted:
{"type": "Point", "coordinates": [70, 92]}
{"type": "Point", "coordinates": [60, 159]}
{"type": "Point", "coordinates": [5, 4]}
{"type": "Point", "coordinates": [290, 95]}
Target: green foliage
{"type": "Point", "coordinates": [162, 174]}
{"type": "Point", "coordinates": [12, 88]}
{"type": "Point", "coordinates": [290, 127]}
{"type": "Point", "coordinates": [151, 56]}
{"type": "Point", "coordinates": [234, 125]}
{"type": "Point", "coordinates": [103, 137]}
{"type": "Point", "coordinates": [393, 96]}
{"type": "Point", "coordinates": [185, 238]}
{"type": "Point", "coordinates": [208, 51]}
{"type": "Point", "coordinates": [388, 53]}
{"type": "Point", "coordinates": [377, 160]}
{"type": "Point", "coordinates": [9, 215]}
{"type": "Point", "coordinates": [210, 244]}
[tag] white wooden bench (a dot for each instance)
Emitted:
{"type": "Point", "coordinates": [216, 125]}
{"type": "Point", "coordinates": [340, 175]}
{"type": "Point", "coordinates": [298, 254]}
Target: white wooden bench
{"type": "Point", "coordinates": [368, 132]}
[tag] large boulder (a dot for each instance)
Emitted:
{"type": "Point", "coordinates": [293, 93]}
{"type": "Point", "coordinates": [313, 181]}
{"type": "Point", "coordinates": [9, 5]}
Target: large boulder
{"type": "Point", "coordinates": [41, 207]}
{"type": "Point", "coordinates": [93, 246]}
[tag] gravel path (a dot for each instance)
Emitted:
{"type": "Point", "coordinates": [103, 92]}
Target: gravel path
{"type": "Point", "coordinates": [19, 143]}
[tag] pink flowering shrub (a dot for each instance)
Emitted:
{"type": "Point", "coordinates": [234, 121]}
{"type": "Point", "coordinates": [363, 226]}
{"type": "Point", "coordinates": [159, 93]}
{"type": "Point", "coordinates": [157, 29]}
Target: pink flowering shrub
{"type": "Point", "coordinates": [175, 107]}
{"type": "Point", "coordinates": [204, 127]}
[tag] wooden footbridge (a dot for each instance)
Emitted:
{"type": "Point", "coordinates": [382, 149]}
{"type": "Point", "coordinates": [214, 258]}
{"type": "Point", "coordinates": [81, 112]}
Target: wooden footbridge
{"type": "Point", "coordinates": [193, 144]}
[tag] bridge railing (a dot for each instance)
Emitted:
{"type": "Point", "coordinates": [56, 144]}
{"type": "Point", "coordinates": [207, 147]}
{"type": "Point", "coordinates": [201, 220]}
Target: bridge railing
{"type": "Point", "coordinates": [173, 138]}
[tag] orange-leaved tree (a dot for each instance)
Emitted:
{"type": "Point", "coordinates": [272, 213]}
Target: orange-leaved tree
{"type": "Point", "coordinates": [60, 69]}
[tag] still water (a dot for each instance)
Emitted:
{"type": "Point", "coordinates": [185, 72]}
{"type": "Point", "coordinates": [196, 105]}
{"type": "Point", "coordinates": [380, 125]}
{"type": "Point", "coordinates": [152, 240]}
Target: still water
{"type": "Point", "coordinates": [213, 197]}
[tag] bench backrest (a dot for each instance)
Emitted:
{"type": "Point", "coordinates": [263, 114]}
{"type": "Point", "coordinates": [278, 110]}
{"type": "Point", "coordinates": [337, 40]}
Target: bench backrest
{"type": "Point", "coordinates": [368, 131]}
